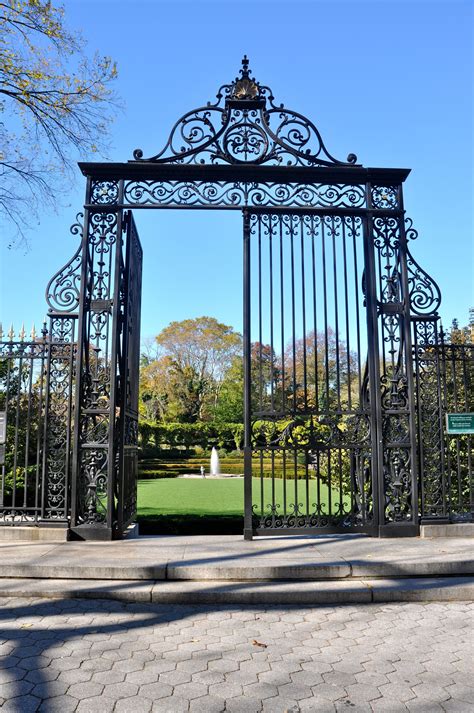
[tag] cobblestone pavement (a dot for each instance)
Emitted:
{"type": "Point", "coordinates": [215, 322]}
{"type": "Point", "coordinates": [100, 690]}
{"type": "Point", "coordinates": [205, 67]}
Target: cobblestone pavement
{"type": "Point", "coordinates": [85, 656]}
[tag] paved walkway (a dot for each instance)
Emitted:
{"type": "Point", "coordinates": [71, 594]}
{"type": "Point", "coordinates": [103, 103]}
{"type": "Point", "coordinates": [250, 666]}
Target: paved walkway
{"type": "Point", "coordinates": [87, 656]}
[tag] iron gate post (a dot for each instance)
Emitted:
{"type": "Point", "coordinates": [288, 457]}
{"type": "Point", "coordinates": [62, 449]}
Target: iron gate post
{"type": "Point", "coordinates": [395, 410]}
{"type": "Point", "coordinates": [94, 445]}
{"type": "Point", "coordinates": [412, 527]}
{"type": "Point", "coordinates": [373, 357]}
{"type": "Point", "coordinates": [248, 512]}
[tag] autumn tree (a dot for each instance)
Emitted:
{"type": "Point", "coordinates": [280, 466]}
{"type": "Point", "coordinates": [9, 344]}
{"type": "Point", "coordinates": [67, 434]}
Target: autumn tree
{"type": "Point", "coordinates": [194, 357]}
{"type": "Point", "coordinates": [462, 335]}
{"type": "Point", "coordinates": [55, 105]}
{"type": "Point", "coordinates": [320, 372]}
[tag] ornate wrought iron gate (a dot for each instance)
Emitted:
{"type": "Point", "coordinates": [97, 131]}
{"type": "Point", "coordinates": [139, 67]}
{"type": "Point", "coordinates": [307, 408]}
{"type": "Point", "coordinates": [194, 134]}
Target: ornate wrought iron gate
{"type": "Point", "coordinates": [310, 426]}
{"type": "Point", "coordinates": [129, 364]}
{"type": "Point", "coordinates": [106, 403]}
{"type": "Point", "coordinates": [330, 431]}
{"type": "Point", "coordinates": [346, 383]}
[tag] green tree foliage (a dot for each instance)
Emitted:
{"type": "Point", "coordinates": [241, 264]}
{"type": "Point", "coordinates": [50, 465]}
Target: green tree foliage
{"type": "Point", "coordinates": [54, 102]}
{"type": "Point", "coordinates": [230, 402]}
{"type": "Point", "coordinates": [184, 382]}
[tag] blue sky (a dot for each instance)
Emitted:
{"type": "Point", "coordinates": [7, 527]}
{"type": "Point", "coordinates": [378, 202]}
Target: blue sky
{"type": "Point", "coordinates": [389, 81]}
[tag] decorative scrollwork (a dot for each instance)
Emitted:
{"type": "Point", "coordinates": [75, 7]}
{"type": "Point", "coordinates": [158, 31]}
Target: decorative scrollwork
{"type": "Point", "coordinates": [104, 192]}
{"type": "Point", "coordinates": [410, 232]}
{"type": "Point", "coordinates": [63, 290]}
{"type": "Point", "coordinates": [425, 295]}
{"type": "Point", "coordinates": [240, 194]}
{"type": "Point", "coordinates": [385, 197]}
{"type": "Point", "coordinates": [398, 485]}
{"type": "Point", "coordinates": [245, 125]}
{"type": "Point", "coordinates": [93, 486]}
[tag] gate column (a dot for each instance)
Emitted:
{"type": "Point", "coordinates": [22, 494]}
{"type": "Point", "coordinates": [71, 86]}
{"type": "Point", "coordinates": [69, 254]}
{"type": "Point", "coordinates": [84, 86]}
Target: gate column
{"type": "Point", "coordinates": [394, 407]}
{"type": "Point", "coordinates": [100, 317]}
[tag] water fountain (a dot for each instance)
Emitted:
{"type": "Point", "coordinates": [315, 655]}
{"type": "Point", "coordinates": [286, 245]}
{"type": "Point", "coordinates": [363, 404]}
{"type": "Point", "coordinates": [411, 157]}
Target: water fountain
{"type": "Point", "coordinates": [215, 465]}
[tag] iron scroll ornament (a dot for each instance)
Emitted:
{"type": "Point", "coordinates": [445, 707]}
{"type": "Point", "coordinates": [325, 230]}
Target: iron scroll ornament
{"type": "Point", "coordinates": [63, 289]}
{"type": "Point", "coordinates": [244, 126]}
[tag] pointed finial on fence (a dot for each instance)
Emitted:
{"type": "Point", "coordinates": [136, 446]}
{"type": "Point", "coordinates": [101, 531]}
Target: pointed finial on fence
{"type": "Point", "coordinates": [33, 333]}
{"type": "Point", "coordinates": [22, 333]}
{"type": "Point", "coordinates": [44, 330]}
{"type": "Point", "coordinates": [11, 333]}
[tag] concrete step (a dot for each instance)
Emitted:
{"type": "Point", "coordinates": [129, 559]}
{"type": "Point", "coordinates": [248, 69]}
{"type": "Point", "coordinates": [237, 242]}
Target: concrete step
{"type": "Point", "coordinates": [33, 534]}
{"type": "Point", "coordinates": [243, 570]}
{"type": "Point", "coordinates": [452, 529]}
{"type": "Point", "coordinates": [256, 593]}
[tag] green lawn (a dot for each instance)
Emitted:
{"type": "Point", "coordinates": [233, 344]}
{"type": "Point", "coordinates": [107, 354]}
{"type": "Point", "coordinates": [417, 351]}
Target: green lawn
{"type": "Point", "coordinates": [215, 498]}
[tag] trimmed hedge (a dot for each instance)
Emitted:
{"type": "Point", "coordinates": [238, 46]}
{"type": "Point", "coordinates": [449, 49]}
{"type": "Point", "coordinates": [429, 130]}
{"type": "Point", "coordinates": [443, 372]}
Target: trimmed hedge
{"type": "Point", "coordinates": [227, 436]}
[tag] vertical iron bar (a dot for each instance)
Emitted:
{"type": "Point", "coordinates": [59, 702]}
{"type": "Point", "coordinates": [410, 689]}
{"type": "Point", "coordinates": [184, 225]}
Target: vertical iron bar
{"type": "Point", "coordinates": [325, 303]}
{"type": "Point", "coordinates": [272, 357]}
{"type": "Point", "coordinates": [248, 529]}
{"type": "Point", "coordinates": [293, 309]}
{"type": "Point", "coordinates": [315, 318]}
{"type": "Point", "coordinates": [41, 444]}
{"type": "Point", "coordinates": [28, 424]}
{"type": "Point", "coordinates": [80, 356]}
{"type": "Point", "coordinates": [47, 401]}
{"type": "Point", "coordinates": [336, 312]}
{"type": "Point", "coordinates": [117, 326]}
{"type": "Point", "coordinates": [356, 299]}
{"type": "Point", "coordinates": [282, 318]}
{"type": "Point", "coordinates": [374, 365]}
{"type": "Point", "coordinates": [303, 310]}
{"type": "Point", "coordinates": [408, 358]}
{"type": "Point", "coordinates": [346, 306]}
{"type": "Point", "coordinates": [17, 421]}
{"type": "Point", "coordinates": [260, 322]}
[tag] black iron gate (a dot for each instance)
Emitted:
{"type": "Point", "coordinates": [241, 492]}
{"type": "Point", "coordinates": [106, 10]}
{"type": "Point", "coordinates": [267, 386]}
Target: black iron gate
{"type": "Point", "coordinates": [129, 364]}
{"type": "Point", "coordinates": [310, 426]}
{"type": "Point", "coordinates": [346, 381]}
{"type": "Point", "coordinates": [106, 397]}
{"type": "Point", "coordinates": [330, 432]}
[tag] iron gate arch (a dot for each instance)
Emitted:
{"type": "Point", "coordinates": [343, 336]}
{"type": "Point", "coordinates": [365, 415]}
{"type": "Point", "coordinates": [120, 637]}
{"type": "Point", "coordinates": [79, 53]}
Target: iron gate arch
{"type": "Point", "coordinates": [343, 432]}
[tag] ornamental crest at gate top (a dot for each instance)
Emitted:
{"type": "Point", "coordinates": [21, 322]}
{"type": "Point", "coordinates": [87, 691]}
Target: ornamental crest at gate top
{"type": "Point", "coordinates": [245, 126]}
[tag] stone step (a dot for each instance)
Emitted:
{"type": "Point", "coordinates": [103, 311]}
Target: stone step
{"type": "Point", "coordinates": [33, 534]}
{"type": "Point", "coordinates": [256, 593]}
{"type": "Point", "coordinates": [452, 529]}
{"type": "Point", "coordinates": [243, 570]}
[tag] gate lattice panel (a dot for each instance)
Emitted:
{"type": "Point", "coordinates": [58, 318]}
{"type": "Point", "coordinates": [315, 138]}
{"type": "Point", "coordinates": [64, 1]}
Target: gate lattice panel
{"type": "Point", "coordinates": [310, 417]}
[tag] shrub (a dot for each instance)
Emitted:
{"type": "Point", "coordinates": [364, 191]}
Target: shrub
{"type": "Point", "coordinates": [172, 436]}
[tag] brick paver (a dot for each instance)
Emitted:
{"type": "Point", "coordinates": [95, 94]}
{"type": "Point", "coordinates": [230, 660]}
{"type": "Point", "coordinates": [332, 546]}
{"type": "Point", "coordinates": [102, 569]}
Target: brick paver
{"type": "Point", "coordinates": [81, 655]}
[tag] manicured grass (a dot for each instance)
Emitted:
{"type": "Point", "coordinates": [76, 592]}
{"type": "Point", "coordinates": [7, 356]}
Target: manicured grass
{"type": "Point", "coordinates": [216, 498]}
{"type": "Point", "coordinates": [183, 496]}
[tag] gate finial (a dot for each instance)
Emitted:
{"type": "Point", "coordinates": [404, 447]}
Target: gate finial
{"type": "Point", "coordinates": [245, 67]}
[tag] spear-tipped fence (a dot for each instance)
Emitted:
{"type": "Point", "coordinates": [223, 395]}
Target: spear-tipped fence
{"type": "Point", "coordinates": [36, 389]}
